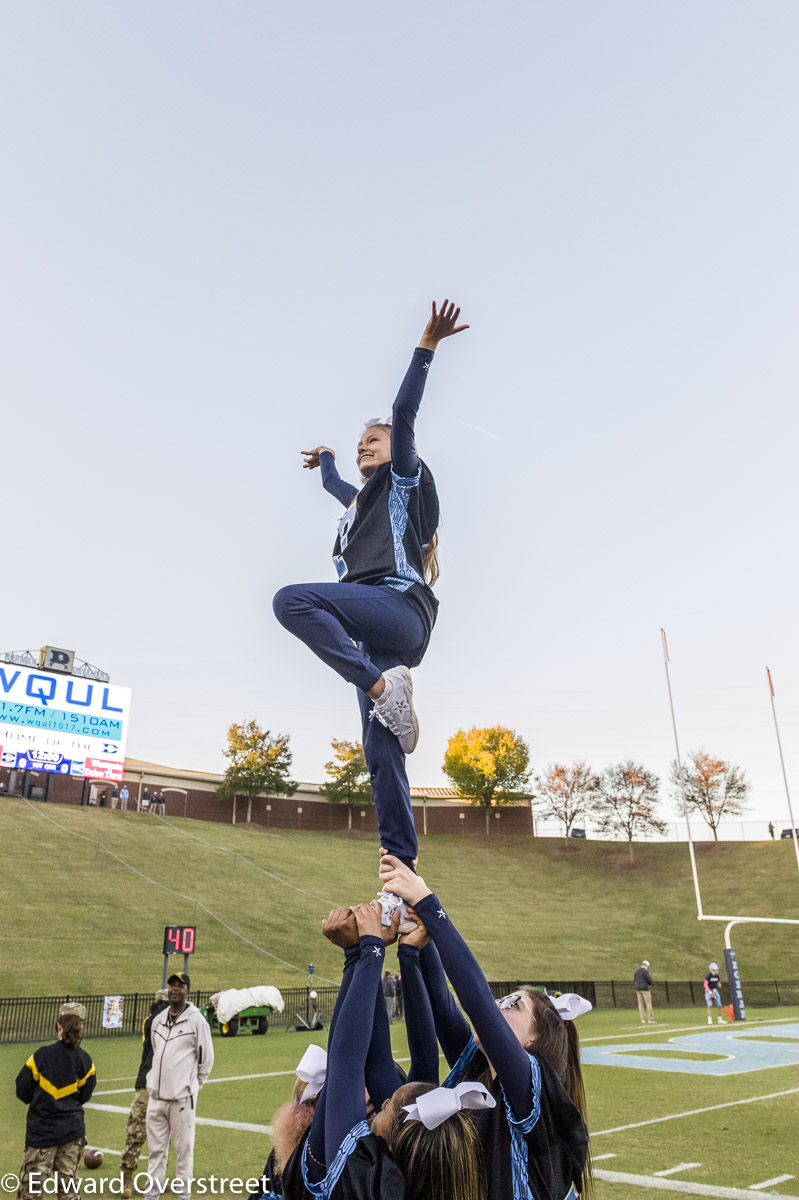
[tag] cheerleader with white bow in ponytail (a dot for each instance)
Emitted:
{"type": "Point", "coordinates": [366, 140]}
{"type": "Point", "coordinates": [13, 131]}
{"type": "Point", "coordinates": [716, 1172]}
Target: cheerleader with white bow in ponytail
{"type": "Point", "coordinates": [422, 1143]}
{"type": "Point", "coordinates": [525, 1050]}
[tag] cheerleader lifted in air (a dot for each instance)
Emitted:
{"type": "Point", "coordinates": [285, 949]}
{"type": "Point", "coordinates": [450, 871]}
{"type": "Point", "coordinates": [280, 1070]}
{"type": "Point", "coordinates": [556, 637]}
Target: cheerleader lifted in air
{"type": "Point", "coordinates": [375, 623]}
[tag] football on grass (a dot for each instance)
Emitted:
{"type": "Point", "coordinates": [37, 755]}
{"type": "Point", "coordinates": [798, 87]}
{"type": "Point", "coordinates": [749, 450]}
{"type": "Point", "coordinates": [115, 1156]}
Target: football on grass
{"type": "Point", "coordinates": [92, 1158]}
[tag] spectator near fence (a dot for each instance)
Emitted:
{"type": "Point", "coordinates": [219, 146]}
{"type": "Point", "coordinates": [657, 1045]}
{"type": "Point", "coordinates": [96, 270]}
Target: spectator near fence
{"type": "Point", "coordinates": [713, 994]}
{"type": "Point", "coordinates": [389, 994]}
{"type": "Point", "coordinates": [183, 1055]}
{"type": "Point", "coordinates": [643, 993]}
{"type": "Point", "coordinates": [136, 1130]}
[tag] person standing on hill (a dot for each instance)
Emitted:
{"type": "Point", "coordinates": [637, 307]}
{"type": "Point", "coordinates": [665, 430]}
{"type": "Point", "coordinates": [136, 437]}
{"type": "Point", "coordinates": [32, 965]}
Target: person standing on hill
{"type": "Point", "coordinates": [643, 985]}
{"type": "Point", "coordinates": [183, 1055]}
{"type": "Point", "coordinates": [55, 1083]}
{"type": "Point", "coordinates": [136, 1130]}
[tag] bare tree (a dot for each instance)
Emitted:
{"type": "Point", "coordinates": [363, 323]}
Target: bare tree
{"type": "Point", "coordinates": [714, 788]}
{"type": "Point", "coordinates": [625, 802]}
{"type": "Point", "coordinates": [565, 792]}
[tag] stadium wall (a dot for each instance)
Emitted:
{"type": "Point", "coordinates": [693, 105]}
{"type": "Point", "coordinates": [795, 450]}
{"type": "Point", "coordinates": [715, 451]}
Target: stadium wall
{"type": "Point", "coordinates": [193, 794]}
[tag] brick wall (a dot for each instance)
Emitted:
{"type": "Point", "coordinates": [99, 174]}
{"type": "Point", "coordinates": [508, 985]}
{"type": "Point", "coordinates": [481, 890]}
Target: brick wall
{"type": "Point", "coordinates": [280, 812]}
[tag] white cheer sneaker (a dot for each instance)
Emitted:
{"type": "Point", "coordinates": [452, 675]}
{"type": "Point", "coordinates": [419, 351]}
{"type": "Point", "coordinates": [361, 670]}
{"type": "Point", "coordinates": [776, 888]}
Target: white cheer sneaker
{"type": "Point", "coordinates": [389, 904]}
{"type": "Point", "coordinates": [395, 709]}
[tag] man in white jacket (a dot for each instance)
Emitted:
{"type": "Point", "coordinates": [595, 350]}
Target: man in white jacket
{"type": "Point", "coordinates": [183, 1055]}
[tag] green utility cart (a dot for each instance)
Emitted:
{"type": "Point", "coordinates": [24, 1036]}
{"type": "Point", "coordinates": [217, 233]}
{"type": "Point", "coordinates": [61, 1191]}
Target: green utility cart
{"type": "Point", "coordinates": [253, 1020]}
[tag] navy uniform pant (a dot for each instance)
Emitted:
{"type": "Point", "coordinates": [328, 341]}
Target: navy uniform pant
{"type": "Point", "coordinates": [361, 631]}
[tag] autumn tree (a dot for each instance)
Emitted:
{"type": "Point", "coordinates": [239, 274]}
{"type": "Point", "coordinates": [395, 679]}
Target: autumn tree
{"type": "Point", "coordinates": [625, 802]}
{"type": "Point", "coordinates": [488, 767]}
{"type": "Point", "coordinates": [564, 792]}
{"type": "Point", "coordinates": [350, 782]}
{"type": "Point", "coordinates": [258, 764]}
{"type": "Point", "coordinates": [714, 788]}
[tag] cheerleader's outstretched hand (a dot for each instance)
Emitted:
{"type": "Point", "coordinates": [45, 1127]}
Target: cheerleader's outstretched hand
{"type": "Point", "coordinates": [340, 928]}
{"type": "Point", "coordinates": [441, 325]}
{"type": "Point", "coordinates": [419, 936]}
{"type": "Point", "coordinates": [397, 878]}
{"type": "Point", "coordinates": [367, 918]}
{"type": "Point", "coordinates": [312, 456]}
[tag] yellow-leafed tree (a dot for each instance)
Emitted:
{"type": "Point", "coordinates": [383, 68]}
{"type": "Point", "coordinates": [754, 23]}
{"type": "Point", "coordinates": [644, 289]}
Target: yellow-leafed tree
{"type": "Point", "coordinates": [489, 767]}
{"type": "Point", "coordinates": [258, 765]}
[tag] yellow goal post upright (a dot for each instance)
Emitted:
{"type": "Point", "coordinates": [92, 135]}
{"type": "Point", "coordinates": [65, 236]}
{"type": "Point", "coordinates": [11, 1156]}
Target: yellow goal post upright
{"type": "Point", "coordinates": [730, 957]}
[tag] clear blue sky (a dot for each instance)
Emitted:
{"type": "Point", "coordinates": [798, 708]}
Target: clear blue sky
{"type": "Point", "coordinates": [222, 226]}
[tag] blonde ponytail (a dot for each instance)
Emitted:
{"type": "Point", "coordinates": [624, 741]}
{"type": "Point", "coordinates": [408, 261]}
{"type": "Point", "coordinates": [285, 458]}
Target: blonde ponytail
{"type": "Point", "coordinates": [430, 569]}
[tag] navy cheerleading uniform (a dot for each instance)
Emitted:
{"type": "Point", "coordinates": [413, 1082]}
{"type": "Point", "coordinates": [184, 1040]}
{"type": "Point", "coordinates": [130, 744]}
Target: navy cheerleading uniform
{"type": "Point", "coordinates": [340, 1159]}
{"type": "Point", "coordinates": [381, 612]}
{"type": "Point", "coordinates": [535, 1141]}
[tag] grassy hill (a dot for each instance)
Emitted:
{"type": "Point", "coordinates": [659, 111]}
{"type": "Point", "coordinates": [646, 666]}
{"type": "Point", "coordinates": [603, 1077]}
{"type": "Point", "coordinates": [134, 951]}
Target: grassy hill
{"type": "Point", "coordinates": [76, 919]}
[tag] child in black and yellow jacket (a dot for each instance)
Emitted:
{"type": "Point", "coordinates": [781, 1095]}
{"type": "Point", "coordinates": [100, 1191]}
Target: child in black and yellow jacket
{"type": "Point", "coordinates": [55, 1083]}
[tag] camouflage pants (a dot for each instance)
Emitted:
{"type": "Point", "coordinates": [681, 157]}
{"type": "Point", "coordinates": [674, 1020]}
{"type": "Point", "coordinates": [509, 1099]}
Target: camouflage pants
{"type": "Point", "coordinates": [136, 1130]}
{"type": "Point", "coordinates": [42, 1162]}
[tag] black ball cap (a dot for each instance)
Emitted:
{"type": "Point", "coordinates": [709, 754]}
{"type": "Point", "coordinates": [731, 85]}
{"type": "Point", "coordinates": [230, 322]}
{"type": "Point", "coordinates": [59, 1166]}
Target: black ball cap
{"type": "Point", "coordinates": [180, 977]}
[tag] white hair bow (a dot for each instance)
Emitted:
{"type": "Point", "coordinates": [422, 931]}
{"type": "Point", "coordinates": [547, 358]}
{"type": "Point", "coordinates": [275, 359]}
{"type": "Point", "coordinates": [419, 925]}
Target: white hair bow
{"type": "Point", "coordinates": [312, 1069]}
{"type": "Point", "coordinates": [435, 1107]}
{"type": "Point", "coordinates": [378, 421]}
{"type": "Point", "coordinates": [570, 1005]}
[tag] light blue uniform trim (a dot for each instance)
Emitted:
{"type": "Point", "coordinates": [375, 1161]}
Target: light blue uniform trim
{"type": "Point", "coordinates": [459, 1070]}
{"type": "Point", "coordinates": [398, 499]}
{"type": "Point", "coordinates": [344, 526]}
{"type": "Point", "coordinates": [518, 1146]}
{"type": "Point", "coordinates": [325, 1186]}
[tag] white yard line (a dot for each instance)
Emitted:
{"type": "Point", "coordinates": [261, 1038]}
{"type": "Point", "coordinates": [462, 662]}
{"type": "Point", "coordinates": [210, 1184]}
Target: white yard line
{"type": "Point", "coordinates": [601, 1157]}
{"type": "Point", "coordinates": [693, 1112]}
{"type": "Point", "coordinates": [676, 1170]}
{"type": "Point", "coordinates": [105, 1150]}
{"type": "Point", "coordinates": [684, 1186]}
{"type": "Point", "coordinates": [221, 1079]}
{"type": "Point", "coordinates": [758, 1187]}
{"type": "Point", "coordinates": [615, 1037]}
{"type": "Point", "coordinates": [244, 1126]}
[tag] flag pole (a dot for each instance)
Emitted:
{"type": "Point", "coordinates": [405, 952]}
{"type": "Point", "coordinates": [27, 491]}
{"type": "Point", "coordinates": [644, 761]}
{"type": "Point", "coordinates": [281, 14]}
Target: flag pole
{"type": "Point", "coordinates": [699, 913]}
{"type": "Point", "coordinates": [782, 763]}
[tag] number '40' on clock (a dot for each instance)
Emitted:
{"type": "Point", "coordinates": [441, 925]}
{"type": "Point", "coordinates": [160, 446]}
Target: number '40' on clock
{"type": "Point", "coordinates": [179, 939]}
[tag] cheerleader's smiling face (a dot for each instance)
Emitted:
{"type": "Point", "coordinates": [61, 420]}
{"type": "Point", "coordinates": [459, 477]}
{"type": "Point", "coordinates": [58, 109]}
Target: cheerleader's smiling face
{"type": "Point", "coordinates": [374, 448]}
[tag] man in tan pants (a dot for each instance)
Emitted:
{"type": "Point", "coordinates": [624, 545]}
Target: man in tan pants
{"type": "Point", "coordinates": [643, 983]}
{"type": "Point", "coordinates": [183, 1055]}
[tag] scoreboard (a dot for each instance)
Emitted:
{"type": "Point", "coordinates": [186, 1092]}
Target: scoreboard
{"type": "Point", "coordinates": [62, 724]}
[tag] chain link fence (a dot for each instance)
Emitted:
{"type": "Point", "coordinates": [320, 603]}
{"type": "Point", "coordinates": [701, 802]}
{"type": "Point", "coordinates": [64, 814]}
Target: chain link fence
{"type": "Point", "coordinates": [32, 1018]}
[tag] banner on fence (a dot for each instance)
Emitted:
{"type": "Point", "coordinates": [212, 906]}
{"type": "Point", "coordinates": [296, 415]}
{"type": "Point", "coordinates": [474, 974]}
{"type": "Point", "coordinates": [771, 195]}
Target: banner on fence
{"type": "Point", "coordinates": [113, 1010]}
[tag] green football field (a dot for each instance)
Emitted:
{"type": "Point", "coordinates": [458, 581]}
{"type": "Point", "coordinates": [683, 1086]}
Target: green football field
{"type": "Point", "coordinates": [653, 1130]}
